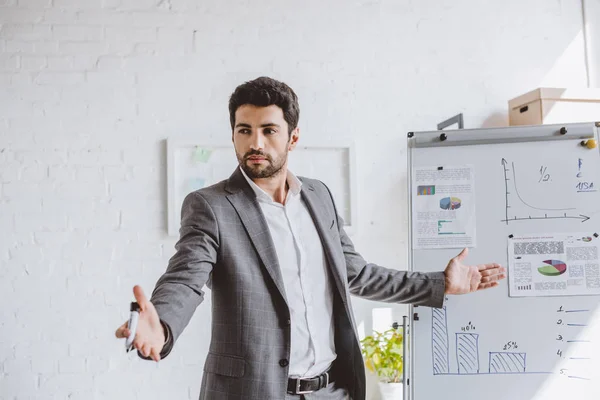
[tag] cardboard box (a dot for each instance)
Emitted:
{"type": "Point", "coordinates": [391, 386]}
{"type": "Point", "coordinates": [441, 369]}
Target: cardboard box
{"type": "Point", "coordinates": [555, 106]}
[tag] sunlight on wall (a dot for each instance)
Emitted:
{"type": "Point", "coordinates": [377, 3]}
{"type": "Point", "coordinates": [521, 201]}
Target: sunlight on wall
{"type": "Point", "coordinates": [383, 319]}
{"type": "Point", "coordinates": [569, 70]}
{"type": "Point", "coordinates": [361, 329]}
{"type": "Point", "coordinates": [592, 26]}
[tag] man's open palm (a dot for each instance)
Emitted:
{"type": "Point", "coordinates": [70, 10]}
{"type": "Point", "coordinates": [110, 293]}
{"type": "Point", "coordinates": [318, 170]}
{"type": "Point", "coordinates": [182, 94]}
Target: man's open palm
{"type": "Point", "coordinates": [149, 337]}
{"type": "Point", "coordinates": [462, 279]}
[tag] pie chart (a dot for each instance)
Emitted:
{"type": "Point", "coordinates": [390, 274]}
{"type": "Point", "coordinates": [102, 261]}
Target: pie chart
{"type": "Point", "coordinates": [450, 203]}
{"type": "Point", "coordinates": [553, 268]}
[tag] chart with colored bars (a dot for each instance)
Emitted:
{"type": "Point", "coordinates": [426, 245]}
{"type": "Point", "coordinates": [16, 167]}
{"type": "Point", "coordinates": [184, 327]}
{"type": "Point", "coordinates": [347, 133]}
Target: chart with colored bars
{"type": "Point", "coordinates": [553, 268]}
{"type": "Point", "coordinates": [467, 352]}
{"type": "Point", "coordinates": [426, 190]}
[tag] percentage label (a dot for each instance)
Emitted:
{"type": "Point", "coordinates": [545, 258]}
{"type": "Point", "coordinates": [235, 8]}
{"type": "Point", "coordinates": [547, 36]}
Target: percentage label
{"type": "Point", "coordinates": [468, 327]}
{"type": "Point", "coordinates": [510, 346]}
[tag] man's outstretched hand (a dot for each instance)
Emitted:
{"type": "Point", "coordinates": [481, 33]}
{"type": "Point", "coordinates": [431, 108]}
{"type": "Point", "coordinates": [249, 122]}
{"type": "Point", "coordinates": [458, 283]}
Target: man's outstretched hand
{"type": "Point", "coordinates": [462, 279]}
{"type": "Point", "coordinates": [150, 336]}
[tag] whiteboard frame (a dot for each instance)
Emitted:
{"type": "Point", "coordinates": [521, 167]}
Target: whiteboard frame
{"type": "Point", "coordinates": [173, 144]}
{"type": "Point", "coordinates": [470, 137]}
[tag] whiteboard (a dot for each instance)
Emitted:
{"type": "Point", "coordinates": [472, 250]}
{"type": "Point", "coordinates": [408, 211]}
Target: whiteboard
{"type": "Point", "coordinates": [489, 345]}
{"type": "Point", "coordinates": [192, 165]}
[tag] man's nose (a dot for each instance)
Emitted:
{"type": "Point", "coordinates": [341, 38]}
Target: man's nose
{"type": "Point", "coordinates": [257, 142]}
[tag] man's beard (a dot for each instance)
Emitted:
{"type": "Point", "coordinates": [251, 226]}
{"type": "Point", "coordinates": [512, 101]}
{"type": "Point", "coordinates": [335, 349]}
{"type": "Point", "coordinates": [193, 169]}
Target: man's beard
{"type": "Point", "coordinates": [258, 171]}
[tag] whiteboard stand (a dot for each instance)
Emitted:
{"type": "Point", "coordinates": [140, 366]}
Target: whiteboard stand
{"type": "Point", "coordinates": [406, 356]}
{"type": "Point", "coordinates": [454, 350]}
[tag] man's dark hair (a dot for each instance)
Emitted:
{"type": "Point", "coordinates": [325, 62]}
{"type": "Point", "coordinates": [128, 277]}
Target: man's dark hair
{"type": "Point", "coordinates": [263, 92]}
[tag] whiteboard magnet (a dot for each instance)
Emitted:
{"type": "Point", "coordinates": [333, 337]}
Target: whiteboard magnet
{"type": "Point", "coordinates": [590, 144]}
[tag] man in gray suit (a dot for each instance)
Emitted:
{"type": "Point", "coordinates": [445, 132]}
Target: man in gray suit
{"type": "Point", "coordinates": [281, 269]}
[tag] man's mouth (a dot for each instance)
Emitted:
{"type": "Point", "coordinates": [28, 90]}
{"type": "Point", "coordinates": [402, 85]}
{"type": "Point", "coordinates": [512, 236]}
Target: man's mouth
{"type": "Point", "coordinates": [256, 159]}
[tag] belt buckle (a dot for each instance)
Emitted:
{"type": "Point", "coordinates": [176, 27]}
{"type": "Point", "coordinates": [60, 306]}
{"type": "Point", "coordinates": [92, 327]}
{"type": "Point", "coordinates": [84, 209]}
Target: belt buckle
{"type": "Point", "coordinates": [298, 391]}
{"type": "Point", "coordinates": [326, 378]}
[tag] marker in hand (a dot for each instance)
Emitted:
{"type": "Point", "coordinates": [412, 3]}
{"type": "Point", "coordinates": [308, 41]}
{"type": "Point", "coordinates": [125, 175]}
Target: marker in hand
{"type": "Point", "coordinates": [132, 325]}
{"type": "Point", "coordinates": [143, 330]}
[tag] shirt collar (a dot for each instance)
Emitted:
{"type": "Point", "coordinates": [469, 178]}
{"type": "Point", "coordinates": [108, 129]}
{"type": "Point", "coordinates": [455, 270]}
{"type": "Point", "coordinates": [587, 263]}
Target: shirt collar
{"type": "Point", "coordinates": [293, 182]}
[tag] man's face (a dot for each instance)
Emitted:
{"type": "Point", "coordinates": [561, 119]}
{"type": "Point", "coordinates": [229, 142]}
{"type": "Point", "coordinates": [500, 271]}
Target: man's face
{"type": "Point", "coordinates": [261, 140]}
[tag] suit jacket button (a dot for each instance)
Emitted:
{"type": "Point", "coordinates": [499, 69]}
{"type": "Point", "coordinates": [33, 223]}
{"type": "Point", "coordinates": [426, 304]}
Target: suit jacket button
{"type": "Point", "coordinates": [288, 322]}
{"type": "Point", "coordinates": [283, 362]}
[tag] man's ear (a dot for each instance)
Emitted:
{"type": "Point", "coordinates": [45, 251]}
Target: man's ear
{"type": "Point", "coordinates": [294, 138]}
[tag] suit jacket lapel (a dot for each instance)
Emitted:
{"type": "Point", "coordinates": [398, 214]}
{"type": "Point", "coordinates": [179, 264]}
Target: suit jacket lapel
{"type": "Point", "coordinates": [243, 199]}
{"type": "Point", "coordinates": [324, 224]}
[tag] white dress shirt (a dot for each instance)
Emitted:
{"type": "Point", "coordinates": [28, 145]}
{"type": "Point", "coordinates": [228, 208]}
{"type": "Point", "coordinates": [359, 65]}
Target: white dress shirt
{"type": "Point", "coordinates": [304, 270]}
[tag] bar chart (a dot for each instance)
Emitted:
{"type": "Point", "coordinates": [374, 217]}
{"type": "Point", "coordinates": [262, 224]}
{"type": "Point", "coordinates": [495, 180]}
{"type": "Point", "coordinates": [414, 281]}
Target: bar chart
{"type": "Point", "coordinates": [440, 346]}
{"type": "Point", "coordinates": [467, 352]}
{"type": "Point", "coordinates": [507, 362]}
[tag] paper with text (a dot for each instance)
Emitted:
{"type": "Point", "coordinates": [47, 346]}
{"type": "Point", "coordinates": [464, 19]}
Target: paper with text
{"type": "Point", "coordinates": [553, 265]}
{"type": "Point", "coordinates": [443, 207]}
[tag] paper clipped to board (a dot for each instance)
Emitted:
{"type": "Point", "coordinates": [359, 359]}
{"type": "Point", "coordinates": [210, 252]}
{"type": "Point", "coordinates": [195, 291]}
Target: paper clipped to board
{"type": "Point", "coordinates": [443, 207]}
{"type": "Point", "coordinates": [554, 265]}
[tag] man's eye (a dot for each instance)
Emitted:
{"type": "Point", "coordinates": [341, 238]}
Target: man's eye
{"type": "Point", "coordinates": [269, 131]}
{"type": "Point", "coordinates": [244, 131]}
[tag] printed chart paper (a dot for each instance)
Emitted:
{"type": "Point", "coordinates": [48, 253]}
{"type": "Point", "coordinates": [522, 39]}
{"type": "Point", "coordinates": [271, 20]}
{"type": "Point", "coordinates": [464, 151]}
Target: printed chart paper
{"type": "Point", "coordinates": [443, 207]}
{"type": "Point", "coordinates": [553, 265]}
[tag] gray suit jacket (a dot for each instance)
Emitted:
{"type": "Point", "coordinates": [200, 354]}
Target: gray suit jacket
{"type": "Point", "coordinates": [225, 244]}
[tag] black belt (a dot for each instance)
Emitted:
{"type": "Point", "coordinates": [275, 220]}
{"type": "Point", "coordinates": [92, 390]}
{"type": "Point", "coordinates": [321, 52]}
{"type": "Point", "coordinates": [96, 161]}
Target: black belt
{"type": "Point", "coordinates": [307, 385]}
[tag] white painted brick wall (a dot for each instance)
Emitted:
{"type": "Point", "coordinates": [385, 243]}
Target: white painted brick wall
{"type": "Point", "coordinates": [89, 90]}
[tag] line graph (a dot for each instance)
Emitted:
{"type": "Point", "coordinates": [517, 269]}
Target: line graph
{"type": "Point", "coordinates": [512, 194]}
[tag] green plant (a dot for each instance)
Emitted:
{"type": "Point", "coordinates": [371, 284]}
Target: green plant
{"type": "Point", "coordinates": [383, 354]}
